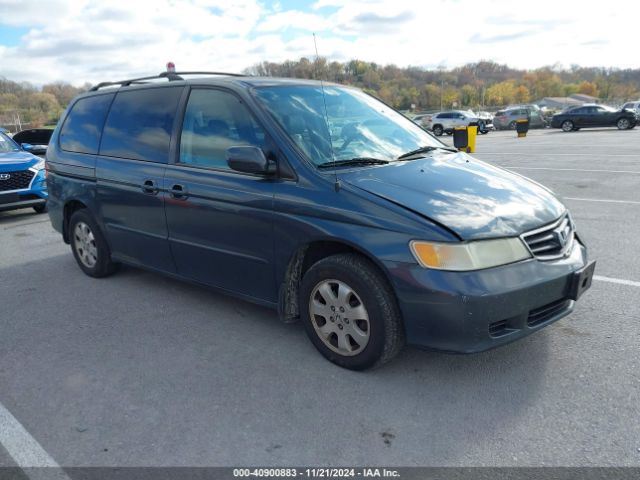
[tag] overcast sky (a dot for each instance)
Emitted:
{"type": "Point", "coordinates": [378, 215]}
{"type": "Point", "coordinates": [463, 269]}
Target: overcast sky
{"type": "Point", "coordinates": [79, 41]}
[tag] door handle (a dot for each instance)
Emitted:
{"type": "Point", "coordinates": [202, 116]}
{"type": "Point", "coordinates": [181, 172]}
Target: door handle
{"type": "Point", "coordinates": [178, 191]}
{"type": "Point", "coordinates": [150, 187]}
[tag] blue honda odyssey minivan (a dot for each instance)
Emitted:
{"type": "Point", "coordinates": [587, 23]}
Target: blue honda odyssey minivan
{"type": "Point", "coordinates": [319, 201]}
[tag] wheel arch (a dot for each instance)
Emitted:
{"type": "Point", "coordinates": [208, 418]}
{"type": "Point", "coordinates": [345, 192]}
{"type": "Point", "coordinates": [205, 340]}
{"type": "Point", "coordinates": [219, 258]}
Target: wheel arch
{"type": "Point", "coordinates": [70, 207]}
{"type": "Point", "coordinates": [303, 258]}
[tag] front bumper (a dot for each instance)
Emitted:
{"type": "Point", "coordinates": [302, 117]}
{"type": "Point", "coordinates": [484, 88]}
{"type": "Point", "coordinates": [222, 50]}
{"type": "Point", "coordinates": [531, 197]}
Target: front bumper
{"type": "Point", "coordinates": [474, 311]}
{"type": "Point", "coordinates": [34, 195]}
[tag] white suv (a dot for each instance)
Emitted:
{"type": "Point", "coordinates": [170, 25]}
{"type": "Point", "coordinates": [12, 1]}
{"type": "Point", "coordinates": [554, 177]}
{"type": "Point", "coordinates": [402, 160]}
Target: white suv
{"type": "Point", "coordinates": [445, 122]}
{"type": "Point", "coordinates": [635, 106]}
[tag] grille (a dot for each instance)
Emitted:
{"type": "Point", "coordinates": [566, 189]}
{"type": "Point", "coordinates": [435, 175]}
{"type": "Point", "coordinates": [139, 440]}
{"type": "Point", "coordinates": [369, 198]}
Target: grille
{"type": "Point", "coordinates": [542, 314]}
{"type": "Point", "coordinates": [551, 241]}
{"type": "Point", "coordinates": [16, 180]}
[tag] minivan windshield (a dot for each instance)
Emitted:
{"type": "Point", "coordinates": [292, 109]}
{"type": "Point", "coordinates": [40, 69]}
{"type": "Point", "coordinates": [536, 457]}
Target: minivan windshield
{"type": "Point", "coordinates": [356, 126]}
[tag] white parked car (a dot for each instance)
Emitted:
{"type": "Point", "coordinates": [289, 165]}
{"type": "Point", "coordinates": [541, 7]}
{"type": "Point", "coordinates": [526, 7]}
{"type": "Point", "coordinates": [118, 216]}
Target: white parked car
{"type": "Point", "coordinates": [445, 122]}
{"type": "Point", "coordinates": [635, 106]}
{"type": "Point", "coordinates": [421, 118]}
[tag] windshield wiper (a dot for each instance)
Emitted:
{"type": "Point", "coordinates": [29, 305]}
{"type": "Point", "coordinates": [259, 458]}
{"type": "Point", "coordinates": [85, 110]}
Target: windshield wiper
{"type": "Point", "coordinates": [424, 150]}
{"type": "Point", "coordinates": [354, 161]}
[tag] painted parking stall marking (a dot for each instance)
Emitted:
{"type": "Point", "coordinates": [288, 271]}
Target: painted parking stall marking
{"type": "Point", "coordinates": [510, 167]}
{"type": "Point", "coordinates": [619, 281]}
{"type": "Point", "coordinates": [26, 451]}
{"type": "Point", "coordinates": [632, 202]}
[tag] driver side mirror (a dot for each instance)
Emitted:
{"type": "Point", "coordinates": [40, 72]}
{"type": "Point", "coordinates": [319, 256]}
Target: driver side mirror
{"type": "Point", "coordinates": [249, 159]}
{"type": "Point", "coordinates": [27, 147]}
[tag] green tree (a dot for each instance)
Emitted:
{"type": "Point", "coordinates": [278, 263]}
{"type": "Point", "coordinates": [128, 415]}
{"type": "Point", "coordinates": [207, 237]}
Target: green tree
{"type": "Point", "coordinates": [469, 95]}
{"type": "Point", "coordinates": [521, 94]}
{"type": "Point", "coordinates": [588, 88]}
{"type": "Point", "coordinates": [501, 93]}
{"type": "Point", "coordinates": [450, 95]}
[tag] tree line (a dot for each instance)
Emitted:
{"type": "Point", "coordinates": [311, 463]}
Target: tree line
{"type": "Point", "coordinates": [484, 84]}
{"type": "Point", "coordinates": [475, 85]}
{"type": "Point", "coordinates": [33, 106]}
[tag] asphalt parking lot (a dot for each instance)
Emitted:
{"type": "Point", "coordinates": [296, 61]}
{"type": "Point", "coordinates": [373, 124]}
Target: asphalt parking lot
{"type": "Point", "coordinates": [141, 370]}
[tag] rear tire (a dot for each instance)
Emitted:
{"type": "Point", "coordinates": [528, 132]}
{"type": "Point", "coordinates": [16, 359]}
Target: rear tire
{"type": "Point", "coordinates": [350, 312]}
{"type": "Point", "coordinates": [89, 245]}
{"type": "Point", "coordinates": [623, 124]}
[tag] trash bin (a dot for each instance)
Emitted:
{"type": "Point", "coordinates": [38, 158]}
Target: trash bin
{"type": "Point", "coordinates": [522, 127]}
{"type": "Point", "coordinates": [464, 138]}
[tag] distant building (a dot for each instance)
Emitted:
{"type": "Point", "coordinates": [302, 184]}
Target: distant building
{"type": "Point", "coordinates": [585, 98]}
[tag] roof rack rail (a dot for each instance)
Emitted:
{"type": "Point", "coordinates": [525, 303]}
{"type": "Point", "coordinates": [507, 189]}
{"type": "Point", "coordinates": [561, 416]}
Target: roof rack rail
{"type": "Point", "coordinates": [226, 74]}
{"type": "Point", "coordinates": [171, 76]}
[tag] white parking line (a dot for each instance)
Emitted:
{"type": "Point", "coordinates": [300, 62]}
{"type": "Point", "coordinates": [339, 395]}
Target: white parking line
{"type": "Point", "coordinates": [570, 169]}
{"type": "Point", "coordinates": [602, 200]}
{"type": "Point", "coordinates": [630, 283]}
{"type": "Point", "coordinates": [25, 450]}
{"type": "Point", "coordinates": [539, 154]}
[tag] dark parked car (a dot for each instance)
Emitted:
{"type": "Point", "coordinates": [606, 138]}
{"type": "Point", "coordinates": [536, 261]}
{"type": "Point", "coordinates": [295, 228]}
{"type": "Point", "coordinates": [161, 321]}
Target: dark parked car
{"type": "Point", "coordinates": [587, 116]}
{"type": "Point", "coordinates": [34, 140]}
{"type": "Point", "coordinates": [322, 203]}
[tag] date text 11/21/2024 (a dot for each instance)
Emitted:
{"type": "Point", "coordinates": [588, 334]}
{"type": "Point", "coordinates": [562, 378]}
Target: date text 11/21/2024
{"type": "Point", "coordinates": [316, 472]}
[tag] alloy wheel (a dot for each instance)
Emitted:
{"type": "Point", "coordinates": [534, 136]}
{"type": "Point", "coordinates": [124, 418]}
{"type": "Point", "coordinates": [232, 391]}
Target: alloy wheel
{"type": "Point", "coordinates": [339, 317]}
{"type": "Point", "coordinates": [85, 244]}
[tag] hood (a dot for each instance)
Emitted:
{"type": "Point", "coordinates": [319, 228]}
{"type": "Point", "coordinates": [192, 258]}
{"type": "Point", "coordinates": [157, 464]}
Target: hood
{"type": "Point", "coordinates": [10, 161]}
{"type": "Point", "coordinates": [34, 136]}
{"type": "Point", "coordinates": [470, 197]}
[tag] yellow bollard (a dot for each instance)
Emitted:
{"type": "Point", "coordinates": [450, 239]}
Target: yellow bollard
{"type": "Point", "coordinates": [522, 127]}
{"type": "Point", "coordinates": [472, 134]}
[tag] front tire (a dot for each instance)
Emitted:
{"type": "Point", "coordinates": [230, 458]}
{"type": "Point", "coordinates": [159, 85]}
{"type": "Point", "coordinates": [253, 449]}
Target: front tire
{"type": "Point", "coordinates": [350, 313]}
{"type": "Point", "coordinates": [567, 126]}
{"type": "Point", "coordinates": [437, 130]}
{"type": "Point", "coordinates": [89, 245]}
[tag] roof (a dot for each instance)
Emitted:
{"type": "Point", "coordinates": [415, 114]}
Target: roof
{"type": "Point", "coordinates": [214, 78]}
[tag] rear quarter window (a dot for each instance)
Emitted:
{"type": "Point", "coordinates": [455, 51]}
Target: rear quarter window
{"type": "Point", "coordinates": [139, 124]}
{"type": "Point", "coordinates": [83, 126]}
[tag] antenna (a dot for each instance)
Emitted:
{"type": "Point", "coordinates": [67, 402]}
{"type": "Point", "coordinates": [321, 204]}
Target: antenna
{"type": "Point", "coordinates": [326, 114]}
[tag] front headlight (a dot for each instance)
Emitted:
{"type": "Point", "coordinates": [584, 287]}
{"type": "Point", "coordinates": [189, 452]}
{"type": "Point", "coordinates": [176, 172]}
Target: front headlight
{"type": "Point", "coordinates": [469, 256]}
